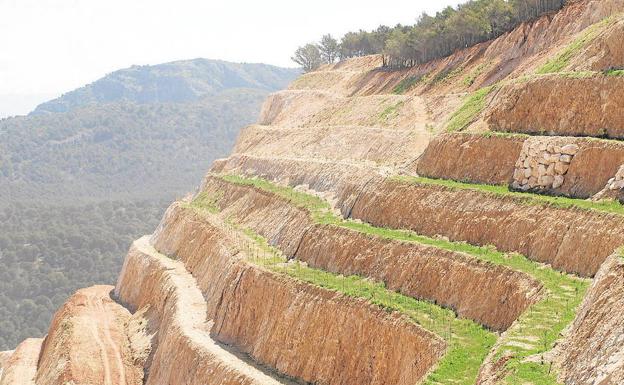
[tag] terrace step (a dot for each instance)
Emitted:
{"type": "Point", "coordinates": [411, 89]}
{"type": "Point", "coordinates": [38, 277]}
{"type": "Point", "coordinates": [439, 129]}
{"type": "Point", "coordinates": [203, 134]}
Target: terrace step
{"type": "Point", "coordinates": [162, 289]}
{"type": "Point", "coordinates": [569, 166]}
{"type": "Point", "coordinates": [321, 351]}
{"type": "Point", "coordinates": [572, 236]}
{"type": "Point", "coordinates": [497, 299]}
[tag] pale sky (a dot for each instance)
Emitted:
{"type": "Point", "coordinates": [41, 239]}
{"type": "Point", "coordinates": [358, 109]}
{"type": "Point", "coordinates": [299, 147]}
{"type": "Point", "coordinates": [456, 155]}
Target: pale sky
{"type": "Point", "coordinates": [48, 47]}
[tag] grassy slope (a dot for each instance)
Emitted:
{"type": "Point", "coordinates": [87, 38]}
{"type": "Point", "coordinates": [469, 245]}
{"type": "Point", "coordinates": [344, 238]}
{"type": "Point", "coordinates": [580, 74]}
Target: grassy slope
{"type": "Point", "coordinates": [561, 61]}
{"type": "Point", "coordinates": [472, 107]}
{"type": "Point", "coordinates": [535, 332]}
{"type": "Point", "coordinates": [468, 341]}
{"type": "Point", "coordinates": [613, 207]}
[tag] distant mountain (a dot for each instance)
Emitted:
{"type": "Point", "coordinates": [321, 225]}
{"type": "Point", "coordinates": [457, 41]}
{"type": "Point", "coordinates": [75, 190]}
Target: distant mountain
{"type": "Point", "coordinates": [179, 81]}
{"type": "Point", "coordinates": [136, 133]}
{"type": "Point", "coordinates": [86, 173]}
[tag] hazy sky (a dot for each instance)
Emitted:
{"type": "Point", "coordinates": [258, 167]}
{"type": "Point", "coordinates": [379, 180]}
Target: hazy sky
{"type": "Point", "coordinates": [53, 46]}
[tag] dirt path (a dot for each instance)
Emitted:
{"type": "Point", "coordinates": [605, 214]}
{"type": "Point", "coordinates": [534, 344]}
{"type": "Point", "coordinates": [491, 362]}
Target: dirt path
{"type": "Point", "coordinates": [191, 321]}
{"type": "Point", "coordinates": [112, 363]}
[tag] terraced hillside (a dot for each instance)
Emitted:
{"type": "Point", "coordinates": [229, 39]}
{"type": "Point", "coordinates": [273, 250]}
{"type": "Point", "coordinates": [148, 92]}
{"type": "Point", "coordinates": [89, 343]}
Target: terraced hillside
{"type": "Point", "coordinates": [422, 226]}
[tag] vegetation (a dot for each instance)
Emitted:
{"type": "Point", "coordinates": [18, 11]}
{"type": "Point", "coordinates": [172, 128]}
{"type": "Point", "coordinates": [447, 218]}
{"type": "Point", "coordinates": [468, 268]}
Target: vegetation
{"type": "Point", "coordinates": [86, 173]}
{"type": "Point", "coordinates": [534, 334]}
{"type": "Point", "coordinates": [176, 82]}
{"type": "Point", "coordinates": [608, 206]}
{"type": "Point", "coordinates": [48, 252]}
{"type": "Point", "coordinates": [468, 342]}
{"type": "Point", "coordinates": [472, 107]}
{"type": "Point", "coordinates": [391, 111]}
{"type": "Point", "coordinates": [120, 150]}
{"type": "Point", "coordinates": [406, 84]}
{"type": "Point", "coordinates": [562, 60]}
{"type": "Point", "coordinates": [308, 57]}
{"type": "Point", "coordinates": [614, 72]}
{"type": "Point", "coordinates": [452, 29]}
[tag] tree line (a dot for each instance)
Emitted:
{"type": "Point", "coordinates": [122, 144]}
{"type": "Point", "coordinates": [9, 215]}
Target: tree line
{"type": "Point", "coordinates": [431, 37]}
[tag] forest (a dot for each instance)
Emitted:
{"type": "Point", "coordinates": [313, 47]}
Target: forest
{"type": "Point", "coordinates": [85, 174]}
{"type": "Point", "coordinates": [431, 37]}
{"type": "Point", "coordinates": [47, 253]}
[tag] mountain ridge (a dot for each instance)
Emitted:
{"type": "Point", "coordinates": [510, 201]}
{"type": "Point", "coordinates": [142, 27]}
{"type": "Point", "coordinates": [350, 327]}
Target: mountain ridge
{"type": "Point", "coordinates": [176, 81]}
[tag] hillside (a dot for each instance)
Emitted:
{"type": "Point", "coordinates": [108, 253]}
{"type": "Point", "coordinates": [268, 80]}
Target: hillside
{"type": "Point", "coordinates": [77, 186]}
{"type": "Point", "coordinates": [179, 81]}
{"type": "Point", "coordinates": [457, 222]}
{"type": "Point", "coordinates": [123, 135]}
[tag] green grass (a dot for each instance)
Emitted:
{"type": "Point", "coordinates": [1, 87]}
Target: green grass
{"type": "Point", "coordinates": [468, 112]}
{"type": "Point", "coordinates": [205, 202]}
{"type": "Point", "coordinates": [446, 74]}
{"type": "Point", "coordinates": [406, 84]}
{"type": "Point", "coordinates": [614, 72]}
{"type": "Point", "coordinates": [537, 329]}
{"type": "Point", "coordinates": [563, 58]}
{"type": "Point", "coordinates": [468, 342]}
{"type": "Point", "coordinates": [608, 206]}
{"type": "Point", "coordinates": [391, 111]}
{"type": "Point", "coordinates": [472, 76]}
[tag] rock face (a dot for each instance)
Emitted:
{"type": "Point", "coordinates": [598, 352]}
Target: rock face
{"type": "Point", "coordinates": [199, 303]}
{"type": "Point", "coordinates": [21, 367]}
{"type": "Point", "coordinates": [560, 105]}
{"type": "Point", "coordinates": [471, 158]}
{"type": "Point", "coordinates": [614, 188]}
{"type": "Point", "coordinates": [257, 311]}
{"type": "Point", "coordinates": [569, 166]}
{"type": "Point", "coordinates": [574, 241]}
{"type": "Point", "coordinates": [339, 183]}
{"type": "Point", "coordinates": [183, 352]}
{"type": "Point", "coordinates": [492, 295]}
{"type": "Point", "coordinates": [88, 343]}
{"type": "Point", "coordinates": [593, 351]}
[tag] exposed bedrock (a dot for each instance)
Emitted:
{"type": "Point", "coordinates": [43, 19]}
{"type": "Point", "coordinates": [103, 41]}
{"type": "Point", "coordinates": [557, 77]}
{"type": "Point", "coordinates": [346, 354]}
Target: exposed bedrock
{"type": "Point", "coordinates": [593, 351]}
{"type": "Point", "coordinates": [471, 158]}
{"type": "Point", "coordinates": [21, 367]}
{"type": "Point", "coordinates": [340, 183]}
{"type": "Point", "coordinates": [4, 356]}
{"type": "Point", "coordinates": [87, 343]}
{"type": "Point", "coordinates": [379, 146]}
{"type": "Point", "coordinates": [605, 51]}
{"type": "Point", "coordinates": [321, 336]}
{"type": "Point", "coordinates": [570, 166]}
{"type": "Point", "coordinates": [494, 296]}
{"type": "Point", "coordinates": [184, 352]}
{"type": "Point", "coordinates": [575, 241]}
{"type": "Point", "coordinates": [301, 330]}
{"type": "Point", "coordinates": [559, 105]}
{"type": "Point", "coordinates": [280, 223]}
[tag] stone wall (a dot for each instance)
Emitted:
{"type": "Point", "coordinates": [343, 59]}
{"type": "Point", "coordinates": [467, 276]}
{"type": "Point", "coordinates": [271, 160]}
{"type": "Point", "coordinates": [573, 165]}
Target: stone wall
{"type": "Point", "coordinates": [543, 163]}
{"type": "Point", "coordinates": [614, 188]}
